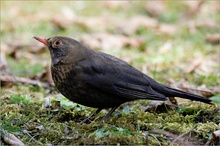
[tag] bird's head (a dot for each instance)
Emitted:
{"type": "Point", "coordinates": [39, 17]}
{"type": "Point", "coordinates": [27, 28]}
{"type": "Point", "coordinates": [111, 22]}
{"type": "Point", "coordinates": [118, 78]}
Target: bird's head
{"type": "Point", "coordinates": [60, 47]}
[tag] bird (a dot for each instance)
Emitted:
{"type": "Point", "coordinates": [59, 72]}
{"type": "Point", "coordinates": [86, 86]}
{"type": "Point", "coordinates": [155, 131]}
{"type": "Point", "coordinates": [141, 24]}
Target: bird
{"type": "Point", "coordinates": [99, 80]}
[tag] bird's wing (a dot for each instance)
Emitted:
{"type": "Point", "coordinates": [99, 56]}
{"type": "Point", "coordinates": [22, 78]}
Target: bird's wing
{"type": "Point", "coordinates": [116, 77]}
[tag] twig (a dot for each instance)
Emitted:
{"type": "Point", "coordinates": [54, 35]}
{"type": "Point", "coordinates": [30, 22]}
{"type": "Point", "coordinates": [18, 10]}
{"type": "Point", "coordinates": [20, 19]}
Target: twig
{"type": "Point", "coordinates": [181, 139]}
{"type": "Point", "coordinates": [24, 81]}
{"type": "Point", "coordinates": [155, 139]}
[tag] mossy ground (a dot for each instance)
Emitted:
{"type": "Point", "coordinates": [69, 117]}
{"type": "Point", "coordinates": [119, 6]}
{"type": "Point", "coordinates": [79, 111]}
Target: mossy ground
{"type": "Point", "coordinates": [22, 111]}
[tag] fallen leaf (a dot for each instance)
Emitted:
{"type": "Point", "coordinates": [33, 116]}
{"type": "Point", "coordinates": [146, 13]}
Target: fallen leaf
{"type": "Point", "coordinates": [91, 23]}
{"type": "Point", "coordinates": [207, 23]}
{"type": "Point", "coordinates": [214, 38]}
{"type": "Point", "coordinates": [170, 29]}
{"type": "Point", "coordinates": [194, 8]}
{"type": "Point", "coordinates": [193, 65]}
{"type": "Point", "coordinates": [155, 8]}
{"type": "Point", "coordinates": [107, 41]}
{"type": "Point", "coordinates": [201, 90]}
{"type": "Point", "coordinates": [64, 20]}
{"type": "Point", "coordinates": [12, 140]}
{"type": "Point", "coordinates": [30, 128]}
{"type": "Point", "coordinates": [207, 67]}
{"type": "Point", "coordinates": [202, 65]}
{"type": "Point", "coordinates": [60, 22]}
{"type": "Point", "coordinates": [132, 25]}
{"type": "Point", "coordinates": [162, 106]}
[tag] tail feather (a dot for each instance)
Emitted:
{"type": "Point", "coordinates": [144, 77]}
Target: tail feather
{"type": "Point", "coordinates": [178, 93]}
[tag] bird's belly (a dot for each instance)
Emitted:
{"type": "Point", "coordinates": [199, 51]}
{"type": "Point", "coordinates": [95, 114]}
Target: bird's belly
{"type": "Point", "coordinates": [81, 93]}
{"type": "Point", "coordinates": [91, 97]}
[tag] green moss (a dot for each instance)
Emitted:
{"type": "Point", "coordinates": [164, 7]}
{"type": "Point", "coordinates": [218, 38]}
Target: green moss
{"type": "Point", "coordinates": [24, 107]}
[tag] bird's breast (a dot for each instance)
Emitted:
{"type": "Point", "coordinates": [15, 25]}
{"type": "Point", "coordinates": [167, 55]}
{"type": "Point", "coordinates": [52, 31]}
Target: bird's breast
{"type": "Point", "coordinates": [68, 82]}
{"type": "Point", "coordinates": [60, 74]}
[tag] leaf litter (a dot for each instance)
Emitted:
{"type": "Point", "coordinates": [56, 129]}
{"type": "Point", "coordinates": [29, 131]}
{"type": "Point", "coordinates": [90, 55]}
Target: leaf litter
{"type": "Point", "coordinates": [52, 119]}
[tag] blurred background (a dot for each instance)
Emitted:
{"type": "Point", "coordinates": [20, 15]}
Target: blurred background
{"type": "Point", "coordinates": [174, 42]}
{"type": "Point", "coordinates": [172, 37]}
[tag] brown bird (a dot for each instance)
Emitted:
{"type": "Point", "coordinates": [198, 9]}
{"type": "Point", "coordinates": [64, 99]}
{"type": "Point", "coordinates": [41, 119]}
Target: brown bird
{"type": "Point", "coordinates": [99, 80]}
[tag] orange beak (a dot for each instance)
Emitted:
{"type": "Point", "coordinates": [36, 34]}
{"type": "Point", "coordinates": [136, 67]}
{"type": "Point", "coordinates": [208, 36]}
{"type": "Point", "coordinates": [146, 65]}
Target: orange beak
{"type": "Point", "coordinates": [42, 40]}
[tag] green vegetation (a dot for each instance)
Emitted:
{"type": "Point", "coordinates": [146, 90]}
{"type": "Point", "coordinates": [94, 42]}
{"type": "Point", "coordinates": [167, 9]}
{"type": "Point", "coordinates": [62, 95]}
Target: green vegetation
{"type": "Point", "coordinates": [39, 116]}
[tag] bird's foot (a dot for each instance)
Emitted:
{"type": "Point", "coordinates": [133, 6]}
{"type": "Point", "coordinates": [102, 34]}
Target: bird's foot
{"type": "Point", "coordinates": [88, 120]}
{"type": "Point", "coordinates": [109, 113]}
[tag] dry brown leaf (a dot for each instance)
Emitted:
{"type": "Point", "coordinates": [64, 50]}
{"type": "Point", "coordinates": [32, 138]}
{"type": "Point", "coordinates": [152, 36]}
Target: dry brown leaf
{"type": "Point", "coordinates": [33, 127]}
{"type": "Point", "coordinates": [60, 22]}
{"type": "Point", "coordinates": [207, 67]}
{"type": "Point", "coordinates": [207, 23]}
{"type": "Point", "coordinates": [162, 106]}
{"type": "Point", "coordinates": [155, 8]}
{"type": "Point", "coordinates": [131, 25]}
{"type": "Point", "coordinates": [202, 65]}
{"type": "Point", "coordinates": [66, 18]}
{"type": "Point", "coordinates": [170, 29]}
{"type": "Point", "coordinates": [193, 65]}
{"type": "Point", "coordinates": [194, 7]}
{"type": "Point", "coordinates": [19, 50]}
{"type": "Point", "coordinates": [96, 23]}
{"type": "Point", "coordinates": [192, 25]}
{"type": "Point", "coordinates": [213, 38]}
{"type": "Point", "coordinates": [12, 140]}
{"type": "Point", "coordinates": [14, 49]}
{"type": "Point", "coordinates": [201, 90]}
{"type": "Point", "coordinates": [109, 41]}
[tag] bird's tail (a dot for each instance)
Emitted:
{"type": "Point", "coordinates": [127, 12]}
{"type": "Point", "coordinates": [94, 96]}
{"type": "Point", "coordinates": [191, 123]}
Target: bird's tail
{"type": "Point", "coordinates": [177, 93]}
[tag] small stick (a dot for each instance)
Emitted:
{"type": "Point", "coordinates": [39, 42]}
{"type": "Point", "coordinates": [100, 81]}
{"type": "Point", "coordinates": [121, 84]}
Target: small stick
{"type": "Point", "coordinates": [23, 80]}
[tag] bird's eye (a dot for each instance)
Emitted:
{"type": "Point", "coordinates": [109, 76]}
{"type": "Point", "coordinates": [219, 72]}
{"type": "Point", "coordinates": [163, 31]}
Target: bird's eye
{"type": "Point", "coordinates": [57, 42]}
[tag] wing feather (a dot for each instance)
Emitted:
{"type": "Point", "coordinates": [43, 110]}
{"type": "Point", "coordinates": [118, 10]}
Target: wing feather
{"type": "Point", "coordinates": [121, 80]}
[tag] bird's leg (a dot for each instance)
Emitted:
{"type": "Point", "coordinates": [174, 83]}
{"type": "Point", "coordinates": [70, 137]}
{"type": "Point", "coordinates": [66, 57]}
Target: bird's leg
{"type": "Point", "coordinates": [95, 113]}
{"type": "Point", "coordinates": [109, 113]}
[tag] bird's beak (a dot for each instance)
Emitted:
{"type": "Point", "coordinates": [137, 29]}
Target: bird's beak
{"type": "Point", "coordinates": [42, 40]}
